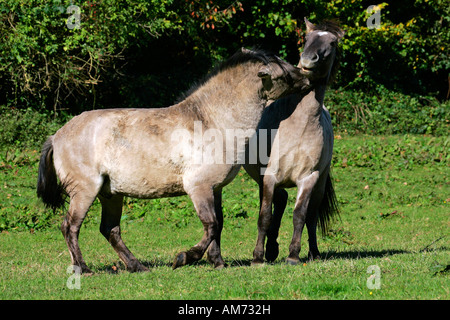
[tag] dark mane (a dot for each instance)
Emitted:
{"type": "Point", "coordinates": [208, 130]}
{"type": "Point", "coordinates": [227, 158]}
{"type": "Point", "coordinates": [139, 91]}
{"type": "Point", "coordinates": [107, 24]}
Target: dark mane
{"type": "Point", "coordinates": [333, 27]}
{"type": "Point", "coordinates": [241, 56]}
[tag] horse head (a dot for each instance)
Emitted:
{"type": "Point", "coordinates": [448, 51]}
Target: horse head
{"type": "Point", "coordinates": [319, 59]}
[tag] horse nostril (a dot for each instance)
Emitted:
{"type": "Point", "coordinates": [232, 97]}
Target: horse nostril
{"type": "Point", "coordinates": [316, 58]}
{"type": "Point", "coordinates": [308, 62]}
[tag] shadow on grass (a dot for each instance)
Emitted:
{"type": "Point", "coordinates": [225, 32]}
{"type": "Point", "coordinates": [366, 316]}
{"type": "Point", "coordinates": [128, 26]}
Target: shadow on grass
{"type": "Point", "coordinates": [358, 254]}
{"type": "Point", "coordinates": [236, 263]}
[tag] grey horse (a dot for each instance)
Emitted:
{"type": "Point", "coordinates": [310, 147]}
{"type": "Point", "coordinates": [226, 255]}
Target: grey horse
{"type": "Point", "coordinates": [300, 152]}
{"type": "Point", "coordinates": [140, 153]}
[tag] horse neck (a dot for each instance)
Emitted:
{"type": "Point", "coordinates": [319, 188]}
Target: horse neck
{"type": "Point", "coordinates": [311, 105]}
{"type": "Point", "coordinates": [319, 92]}
{"type": "Point", "coordinates": [231, 99]}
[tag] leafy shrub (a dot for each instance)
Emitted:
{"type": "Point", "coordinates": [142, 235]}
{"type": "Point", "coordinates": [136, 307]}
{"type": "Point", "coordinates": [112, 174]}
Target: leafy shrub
{"type": "Point", "coordinates": [20, 129]}
{"type": "Point", "coordinates": [381, 153]}
{"type": "Point", "coordinates": [138, 52]}
{"type": "Point", "coordinates": [387, 112]}
{"type": "Point", "coordinates": [43, 62]}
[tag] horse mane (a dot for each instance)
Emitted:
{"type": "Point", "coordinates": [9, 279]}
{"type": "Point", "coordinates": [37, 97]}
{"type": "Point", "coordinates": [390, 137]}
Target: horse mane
{"type": "Point", "coordinates": [241, 56]}
{"type": "Point", "coordinates": [333, 27]}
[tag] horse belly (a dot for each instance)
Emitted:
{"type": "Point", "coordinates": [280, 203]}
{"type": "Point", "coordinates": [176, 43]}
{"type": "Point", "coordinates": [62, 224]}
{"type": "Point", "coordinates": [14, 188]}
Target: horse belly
{"type": "Point", "coordinates": [144, 186]}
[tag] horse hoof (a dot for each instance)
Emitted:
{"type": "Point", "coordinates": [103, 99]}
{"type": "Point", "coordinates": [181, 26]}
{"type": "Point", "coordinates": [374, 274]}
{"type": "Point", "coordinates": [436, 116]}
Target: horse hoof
{"type": "Point", "coordinates": [272, 252]}
{"type": "Point", "coordinates": [292, 262]}
{"type": "Point", "coordinates": [85, 271]}
{"type": "Point", "coordinates": [180, 260]}
{"type": "Point", "coordinates": [257, 263]}
{"type": "Point", "coordinates": [136, 266]}
{"type": "Point", "coordinates": [220, 266]}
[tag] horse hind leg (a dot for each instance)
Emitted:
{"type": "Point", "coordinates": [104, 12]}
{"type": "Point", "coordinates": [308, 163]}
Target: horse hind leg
{"type": "Point", "coordinates": [311, 225]}
{"type": "Point", "coordinates": [110, 229]}
{"type": "Point", "coordinates": [321, 209]}
{"type": "Point", "coordinates": [279, 205]}
{"type": "Point", "coordinates": [78, 208]}
{"type": "Point", "coordinates": [266, 190]}
{"type": "Point", "coordinates": [312, 218]}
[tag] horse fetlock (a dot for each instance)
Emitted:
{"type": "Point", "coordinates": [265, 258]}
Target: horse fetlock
{"type": "Point", "coordinates": [216, 260]}
{"type": "Point", "coordinates": [82, 267]}
{"type": "Point", "coordinates": [194, 254]}
{"type": "Point", "coordinates": [183, 258]}
{"type": "Point", "coordinates": [258, 257]}
{"type": "Point", "coordinates": [313, 255]}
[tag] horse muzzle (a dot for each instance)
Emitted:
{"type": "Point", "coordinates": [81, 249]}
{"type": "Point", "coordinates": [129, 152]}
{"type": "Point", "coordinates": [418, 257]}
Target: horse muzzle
{"type": "Point", "coordinates": [308, 65]}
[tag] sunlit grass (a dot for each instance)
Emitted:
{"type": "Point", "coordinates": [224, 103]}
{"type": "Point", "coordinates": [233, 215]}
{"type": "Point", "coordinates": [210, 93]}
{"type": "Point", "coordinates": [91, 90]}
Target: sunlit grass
{"type": "Point", "coordinates": [396, 219]}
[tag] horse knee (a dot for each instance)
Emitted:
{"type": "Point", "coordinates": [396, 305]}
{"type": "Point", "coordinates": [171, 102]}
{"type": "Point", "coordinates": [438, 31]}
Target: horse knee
{"type": "Point", "coordinates": [110, 232]}
{"type": "Point", "coordinates": [65, 227]}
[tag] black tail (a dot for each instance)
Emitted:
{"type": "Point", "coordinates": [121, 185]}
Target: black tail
{"type": "Point", "coordinates": [48, 187]}
{"type": "Point", "coordinates": [329, 207]}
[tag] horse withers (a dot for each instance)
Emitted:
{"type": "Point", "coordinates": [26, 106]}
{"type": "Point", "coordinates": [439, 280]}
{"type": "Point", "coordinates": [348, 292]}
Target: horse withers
{"type": "Point", "coordinates": [109, 154]}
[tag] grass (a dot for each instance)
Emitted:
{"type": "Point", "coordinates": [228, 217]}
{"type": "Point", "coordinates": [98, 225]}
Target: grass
{"type": "Point", "coordinates": [391, 217]}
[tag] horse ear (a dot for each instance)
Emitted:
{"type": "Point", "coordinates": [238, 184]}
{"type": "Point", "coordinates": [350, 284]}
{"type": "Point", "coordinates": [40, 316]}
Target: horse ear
{"type": "Point", "coordinates": [340, 34]}
{"type": "Point", "coordinates": [247, 51]}
{"type": "Point", "coordinates": [309, 26]}
{"type": "Point", "coordinates": [264, 73]}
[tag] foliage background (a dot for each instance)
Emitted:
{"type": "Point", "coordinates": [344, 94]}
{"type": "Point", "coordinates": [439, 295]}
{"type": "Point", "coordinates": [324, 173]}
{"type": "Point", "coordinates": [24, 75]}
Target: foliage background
{"type": "Point", "coordinates": [391, 178]}
{"type": "Point", "coordinates": [137, 53]}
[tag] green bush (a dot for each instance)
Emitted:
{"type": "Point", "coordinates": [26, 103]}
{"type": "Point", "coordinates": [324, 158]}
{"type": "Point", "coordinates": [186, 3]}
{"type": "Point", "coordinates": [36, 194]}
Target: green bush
{"type": "Point", "coordinates": [387, 112]}
{"type": "Point", "coordinates": [43, 61]}
{"type": "Point", "coordinates": [408, 52]}
{"type": "Point", "coordinates": [22, 129]}
{"type": "Point", "coordinates": [46, 65]}
{"type": "Point", "coordinates": [145, 53]}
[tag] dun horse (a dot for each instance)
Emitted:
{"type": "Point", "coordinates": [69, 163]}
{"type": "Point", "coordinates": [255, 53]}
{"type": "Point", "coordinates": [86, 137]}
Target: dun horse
{"type": "Point", "coordinates": [303, 146]}
{"type": "Point", "coordinates": [114, 153]}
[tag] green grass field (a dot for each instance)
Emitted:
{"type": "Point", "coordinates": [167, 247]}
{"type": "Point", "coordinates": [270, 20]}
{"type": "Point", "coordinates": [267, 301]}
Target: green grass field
{"type": "Point", "coordinates": [394, 196]}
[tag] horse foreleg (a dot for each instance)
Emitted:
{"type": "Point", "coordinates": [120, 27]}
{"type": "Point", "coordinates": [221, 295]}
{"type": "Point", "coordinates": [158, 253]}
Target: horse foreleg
{"type": "Point", "coordinates": [305, 187]}
{"type": "Point", "coordinates": [214, 255]}
{"type": "Point", "coordinates": [264, 220]}
{"type": "Point", "coordinates": [279, 205]}
{"type": "Point", "coordinates": [203, 200]}
{"type": "Point", "coordinates": [110, 229]}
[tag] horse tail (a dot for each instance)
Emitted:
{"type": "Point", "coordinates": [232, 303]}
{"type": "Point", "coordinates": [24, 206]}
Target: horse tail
{"type": "Point", "coordinates": [48, 187]}
{"type": "Point", "coordinates": [328, 208]}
